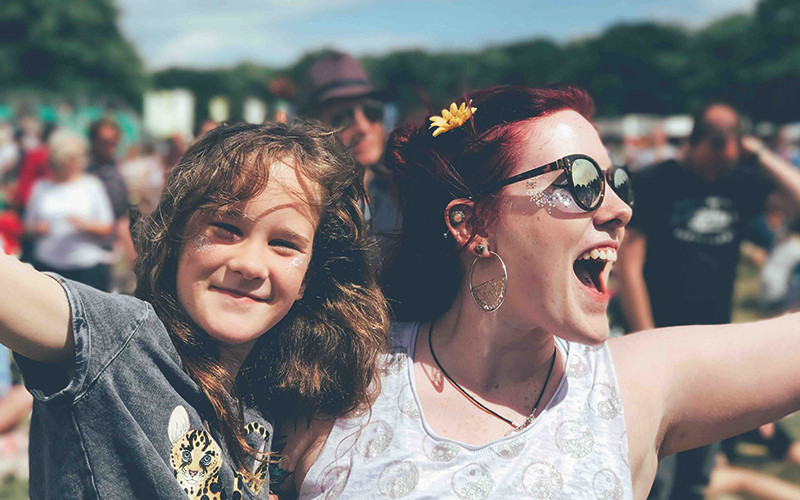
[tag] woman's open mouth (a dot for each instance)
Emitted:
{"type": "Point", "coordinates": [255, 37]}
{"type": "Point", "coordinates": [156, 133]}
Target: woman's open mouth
{"type": "Point", "coordinates": [593, 268]}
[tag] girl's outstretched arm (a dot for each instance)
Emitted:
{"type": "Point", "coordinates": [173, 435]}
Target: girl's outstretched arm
{"type": "Point", "coordinates": [34, 313]}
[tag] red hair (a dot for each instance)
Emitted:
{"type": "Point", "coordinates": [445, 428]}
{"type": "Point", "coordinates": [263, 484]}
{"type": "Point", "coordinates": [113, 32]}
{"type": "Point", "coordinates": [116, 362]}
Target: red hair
{"type": "Point", "coordinates": [432, 171]}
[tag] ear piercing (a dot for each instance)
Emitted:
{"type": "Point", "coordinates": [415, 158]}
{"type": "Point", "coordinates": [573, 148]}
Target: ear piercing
{"type": "Point", "coordinates": [457, 217]}
{"type": "Point", "coordinates": [479, 249]}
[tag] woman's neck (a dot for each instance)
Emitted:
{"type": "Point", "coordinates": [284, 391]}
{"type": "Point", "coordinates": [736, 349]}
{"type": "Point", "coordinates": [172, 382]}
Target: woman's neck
{"type": "Point", "coordinates": [480, 348]}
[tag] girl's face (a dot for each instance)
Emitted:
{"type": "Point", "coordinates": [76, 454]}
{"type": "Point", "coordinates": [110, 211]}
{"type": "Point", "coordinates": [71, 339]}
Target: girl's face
{"type": "Point", "coordinates": [245, 268]}
{"type": "Point", "coordinates": [542, 236]}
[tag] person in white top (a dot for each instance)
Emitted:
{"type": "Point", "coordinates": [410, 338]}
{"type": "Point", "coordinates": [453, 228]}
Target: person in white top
{"type": "Point", "coordinates": [513, 217]}
{"type": "Point", "coordinates": [70, 216]}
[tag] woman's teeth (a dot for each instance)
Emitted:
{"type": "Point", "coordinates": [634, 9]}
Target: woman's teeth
{"type": "Point", "coordinates": [607, 254]}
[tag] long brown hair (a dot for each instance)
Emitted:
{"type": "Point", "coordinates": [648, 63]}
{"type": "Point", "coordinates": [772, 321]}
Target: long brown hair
{"type": "Point", "coordinates": [321, 357]}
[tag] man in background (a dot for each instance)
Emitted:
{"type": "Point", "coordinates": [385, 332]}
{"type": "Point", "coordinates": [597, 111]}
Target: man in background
{"type": "Point", "coordinates": [677, 265]}
{"type": "Point", "coordinates": [104, 135]}
{"type": "Point", "coordinates": [339, 93]}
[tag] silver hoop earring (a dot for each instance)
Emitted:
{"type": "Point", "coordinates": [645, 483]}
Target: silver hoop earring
{"type": "Point", "coordinates": [490, 294]}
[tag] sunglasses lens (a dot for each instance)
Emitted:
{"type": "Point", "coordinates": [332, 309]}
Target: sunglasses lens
{"type": "Point", "coordinates": [341, 118]}
{"type": "Point", "coordinates": [621, 184]}
{"type": "Point", "coordinates": [373, 112]}
{"type": "Point", "coordinates": [587, 182]}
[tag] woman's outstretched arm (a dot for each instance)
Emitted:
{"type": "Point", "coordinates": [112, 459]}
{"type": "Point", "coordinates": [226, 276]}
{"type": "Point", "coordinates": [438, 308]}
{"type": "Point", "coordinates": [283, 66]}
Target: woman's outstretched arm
{"type": "Point", "coordinates": [695, 385]}
{"type": "Point", "coordinates": [34, 313]}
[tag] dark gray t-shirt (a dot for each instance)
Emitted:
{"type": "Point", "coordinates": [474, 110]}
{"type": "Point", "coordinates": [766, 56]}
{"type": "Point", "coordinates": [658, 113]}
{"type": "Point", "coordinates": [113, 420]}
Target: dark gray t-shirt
{"type": "Point", "coordinates": [123, 419]}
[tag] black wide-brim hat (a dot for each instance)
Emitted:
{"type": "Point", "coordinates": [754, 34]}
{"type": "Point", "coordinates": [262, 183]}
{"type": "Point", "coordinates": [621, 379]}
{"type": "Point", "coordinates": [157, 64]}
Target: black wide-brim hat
{"type": "Point", "coordinates": [337, 76]}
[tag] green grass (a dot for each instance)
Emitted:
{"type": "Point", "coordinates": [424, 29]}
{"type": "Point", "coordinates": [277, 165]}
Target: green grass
{"type": "Point", "coordinates": [14, 489]}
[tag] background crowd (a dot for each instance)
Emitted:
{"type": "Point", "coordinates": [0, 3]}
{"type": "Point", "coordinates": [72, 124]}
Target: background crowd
{"type": "Point", "coordinates": [715, 194]}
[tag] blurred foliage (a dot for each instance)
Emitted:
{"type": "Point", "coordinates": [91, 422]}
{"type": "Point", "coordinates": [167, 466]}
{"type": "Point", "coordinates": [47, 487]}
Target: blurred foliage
{"type": "Point", "coordinates": [751, 61]}
{"type": "Point", "coordinates": [73, 48]}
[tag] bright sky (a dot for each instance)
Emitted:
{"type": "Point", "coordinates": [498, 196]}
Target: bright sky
{"type": "Point", "coordinates": [209, 33]}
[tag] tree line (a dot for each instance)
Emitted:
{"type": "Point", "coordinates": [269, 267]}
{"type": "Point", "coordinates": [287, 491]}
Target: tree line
{"type": "Point", "coordinates": [749, 60]}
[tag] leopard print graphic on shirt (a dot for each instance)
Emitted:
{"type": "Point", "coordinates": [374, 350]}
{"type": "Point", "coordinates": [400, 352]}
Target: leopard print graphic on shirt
{"type": "Point", "coordinates": [196, 460]}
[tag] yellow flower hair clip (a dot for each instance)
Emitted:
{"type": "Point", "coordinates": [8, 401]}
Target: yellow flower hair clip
{"type": "Point", "coordinates": [452, 118]}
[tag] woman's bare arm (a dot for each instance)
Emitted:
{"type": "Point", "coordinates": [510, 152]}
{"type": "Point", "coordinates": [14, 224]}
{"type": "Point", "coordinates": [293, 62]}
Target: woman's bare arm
{"type": "Point", "coordinates": [34, 313]}
{"type": "Point", "coordinates": [695, 385]}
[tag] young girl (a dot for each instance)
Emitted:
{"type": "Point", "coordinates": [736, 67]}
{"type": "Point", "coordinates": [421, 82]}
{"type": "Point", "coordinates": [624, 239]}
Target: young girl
{"type": "Point", "coordinates": [252, 274]}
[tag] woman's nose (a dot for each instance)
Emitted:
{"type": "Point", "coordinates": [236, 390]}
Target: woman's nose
{"type": "Point", "coordinates": [613, 210]}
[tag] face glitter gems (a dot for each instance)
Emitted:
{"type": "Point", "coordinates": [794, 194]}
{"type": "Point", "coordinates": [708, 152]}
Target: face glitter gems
{"type": "Point", "coordinates": [542, 481]}
{"type": "Point", "coordinates": [574, 439]}
{"type": "Point", "coordinates": [298, 262]}
{"type": "Point", "coordinates": [473, 482]}
{"type": "Point", "coordinates": [398, 479]}
{"type": "Point", "coordinates": [202, 244]}
{"type": "Point", "coordinates": [551, 198]}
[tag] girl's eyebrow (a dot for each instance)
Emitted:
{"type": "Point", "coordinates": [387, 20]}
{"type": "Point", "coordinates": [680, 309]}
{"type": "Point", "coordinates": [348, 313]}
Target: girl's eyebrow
{"type": "Point", "coordinates": [234, 213]}
{"type": "Point", "coordinates": [291, 233]}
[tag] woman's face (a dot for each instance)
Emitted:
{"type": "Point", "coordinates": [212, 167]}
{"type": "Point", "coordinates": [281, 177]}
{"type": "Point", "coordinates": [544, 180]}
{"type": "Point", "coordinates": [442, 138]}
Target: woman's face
{"type": "Point", "coordinates": [543, 239]}
{"type": "Point", "coordinates": [245, 269]}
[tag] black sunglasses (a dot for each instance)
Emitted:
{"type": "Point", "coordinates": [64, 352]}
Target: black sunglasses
{"type": "Point", "coordinates": [585, 179]}
{"type": "Point", "coordinates": [343, 118]}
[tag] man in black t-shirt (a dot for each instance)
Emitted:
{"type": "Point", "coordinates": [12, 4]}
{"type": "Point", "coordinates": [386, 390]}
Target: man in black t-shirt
{"type": "Point", "coordinates": [677, 265]}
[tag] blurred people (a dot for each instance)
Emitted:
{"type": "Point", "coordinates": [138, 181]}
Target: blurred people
{"type": "Point", "coordinates": [144, 177]}
{"type": "Point", "coordinates": [70, 216]}
{"type": "Point", "coordinates": [677, 265]}
{"type": "Point", "coordinates": [205, 127]}
{"type": "Point", "coordinates": [284, 91]}
{"type": "Point", "coordinates": [658, 150]}
{"type": "Point", "coordinates": [9, 152]}
{"type": "Point", "coordinates": [104, 135]}
{"type": "Point", "coordinates": [340, 94]}
{"type": "Point", "coordinates": [15, 407]}
{"type": "Point", "coordinates": [35, 160]}
{"type": "Point", "coordinates": [785, 145]}
{"type": "Point", "coordinates": [176, 146]}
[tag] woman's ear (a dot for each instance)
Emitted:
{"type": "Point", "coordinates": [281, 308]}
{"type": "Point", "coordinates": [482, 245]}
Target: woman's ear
{"type": "Point", "coordinates": [459, 217]}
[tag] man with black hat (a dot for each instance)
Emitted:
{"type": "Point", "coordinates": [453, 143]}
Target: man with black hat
{"type": "Point", "coordinates": [339, 93]}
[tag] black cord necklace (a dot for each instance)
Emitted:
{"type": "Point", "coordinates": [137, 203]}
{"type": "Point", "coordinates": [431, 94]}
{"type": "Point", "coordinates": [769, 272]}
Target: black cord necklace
{"type": "Point", "coordinates": [517, 427]}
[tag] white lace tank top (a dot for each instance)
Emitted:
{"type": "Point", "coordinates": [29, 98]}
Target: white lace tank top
{"type": "Point", "coordinates": [576, 449]}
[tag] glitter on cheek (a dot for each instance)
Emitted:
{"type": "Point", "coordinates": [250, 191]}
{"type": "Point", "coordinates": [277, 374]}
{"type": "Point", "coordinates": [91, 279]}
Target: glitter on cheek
{"type": "Point", "coordinates": [297, 262]}
{"type": "Point", "coordinates": [202, 244]}
{"type": "Point", "coordinates": [551, 198]}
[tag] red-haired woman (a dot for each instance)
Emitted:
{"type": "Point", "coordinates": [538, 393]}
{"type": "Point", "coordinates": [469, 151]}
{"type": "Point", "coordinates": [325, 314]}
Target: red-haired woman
{"type": "Point", "coordinates": [502, 383]}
